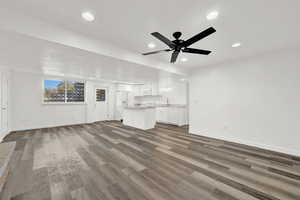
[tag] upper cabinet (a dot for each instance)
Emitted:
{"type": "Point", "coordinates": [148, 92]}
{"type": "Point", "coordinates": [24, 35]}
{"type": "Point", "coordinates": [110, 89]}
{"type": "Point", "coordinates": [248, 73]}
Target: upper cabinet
{"type": "Point", "coordinates": [174, 90]}
{"type": "Point", "coordinates": [149, 89]}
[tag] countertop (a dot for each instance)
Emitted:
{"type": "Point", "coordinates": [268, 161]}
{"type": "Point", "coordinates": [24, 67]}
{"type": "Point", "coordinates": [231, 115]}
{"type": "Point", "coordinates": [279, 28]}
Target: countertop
{"type": "Point", "coordinates": [139, 107]}
{"type": "Point", "coordinates": [156, 106]}
{"type": "Point", "coordinates": [172, 105]}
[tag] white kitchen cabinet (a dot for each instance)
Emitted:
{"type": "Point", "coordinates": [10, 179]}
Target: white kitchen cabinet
{"type": "Point", "coordinates": [139, 117]}
{"type": "Point", "coordinates": [172, 114]}
{"type": "Point", "coordinates": [161, 114]}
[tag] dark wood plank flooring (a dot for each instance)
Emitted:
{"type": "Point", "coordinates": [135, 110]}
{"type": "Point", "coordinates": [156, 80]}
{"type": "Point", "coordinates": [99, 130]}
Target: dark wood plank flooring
{"type": "Point", "coordinates": [109, 161]}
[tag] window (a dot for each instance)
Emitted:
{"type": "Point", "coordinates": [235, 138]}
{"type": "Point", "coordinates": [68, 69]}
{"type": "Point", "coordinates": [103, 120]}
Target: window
{"type": "Point", "coordinates": [54, 91]}
{"type": "Point", "coordinates": [100, 94]}
{"type": "Point", "coordinates": [61, 91]}
{"type": "Point", "coordinates": [75, 91]}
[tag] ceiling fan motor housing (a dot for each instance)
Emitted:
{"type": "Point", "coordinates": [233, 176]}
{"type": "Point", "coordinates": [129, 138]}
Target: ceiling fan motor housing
{"type": "Point", "coordinates": [177, 35]}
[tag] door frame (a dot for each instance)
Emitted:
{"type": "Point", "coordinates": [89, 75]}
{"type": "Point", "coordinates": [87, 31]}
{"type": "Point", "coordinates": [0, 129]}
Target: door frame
{"type": "Point", "coordinates": [4, 76]}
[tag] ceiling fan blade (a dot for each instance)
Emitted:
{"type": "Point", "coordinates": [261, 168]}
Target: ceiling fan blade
{"type": "Point", "coordinates": [155, 52]}
{"type": "Point", "coordinates": [163, 39]}
{"type": "Point", "coordinates": [196, 51]}
{"type": "Point", "coordinates": [174, 56]}
{"type": "Point", "coordinates": [199, 36]}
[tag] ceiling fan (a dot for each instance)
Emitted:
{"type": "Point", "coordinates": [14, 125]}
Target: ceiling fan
{"type": "Point", "coordinates": [178, 45]}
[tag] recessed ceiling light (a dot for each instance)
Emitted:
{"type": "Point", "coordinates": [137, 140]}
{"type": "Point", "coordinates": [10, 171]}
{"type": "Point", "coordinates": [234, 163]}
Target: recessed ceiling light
{"type": "Point", "coordinates": [88, 16]}
{"type": "Point", "coordinates": [183, 59]}
{"type": "Point", "coordinates": [212, 15]}
{"type": "Point", "coordinates": [151, 45]}
{"type": "Point", "coordinates": [236, 45]}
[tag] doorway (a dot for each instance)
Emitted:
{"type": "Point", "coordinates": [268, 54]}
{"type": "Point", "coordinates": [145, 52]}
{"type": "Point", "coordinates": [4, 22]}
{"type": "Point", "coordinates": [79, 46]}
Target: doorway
{"type": "Point", "coordinates": [121, 102]}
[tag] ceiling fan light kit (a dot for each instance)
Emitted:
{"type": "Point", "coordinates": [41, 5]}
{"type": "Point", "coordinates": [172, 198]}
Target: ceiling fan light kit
{"type": "Point", "coordinates": [178, 45]}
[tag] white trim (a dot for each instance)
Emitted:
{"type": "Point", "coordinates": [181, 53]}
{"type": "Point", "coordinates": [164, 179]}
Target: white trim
{"type": "Point", "coordinates": [47, 126]}
{"type": "Point", "coordinates": [3, 135]}
{"type": "Point", "coordinates": [6, 74]}
{"type": "Point", "coordinates": [294, 152]}
{"type": "Point", "coordinates": [63, 103]}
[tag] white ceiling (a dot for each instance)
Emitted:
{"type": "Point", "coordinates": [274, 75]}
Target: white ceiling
{"type": "Point", "coordinates": [260, 25]}
{"type": "Point", "coordinates": [28, 54]}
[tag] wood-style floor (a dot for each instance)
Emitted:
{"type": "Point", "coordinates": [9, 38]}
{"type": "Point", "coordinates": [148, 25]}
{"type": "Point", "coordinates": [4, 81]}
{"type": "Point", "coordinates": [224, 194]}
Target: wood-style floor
{"type": "Point", "coordinates": [108, 161]}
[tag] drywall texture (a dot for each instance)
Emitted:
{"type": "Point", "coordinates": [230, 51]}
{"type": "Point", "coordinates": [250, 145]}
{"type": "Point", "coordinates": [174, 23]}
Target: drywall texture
{"type": "Point", "coordinates": [253, 101]}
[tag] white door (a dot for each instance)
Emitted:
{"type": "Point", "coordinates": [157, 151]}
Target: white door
{"type": "Point", "coordinates": [121, 102]}
{"type": "Point", "coordinates": [101, 104]}
{"type": "Point", "coordinates": [4, 103]}
{"type": "Point", "coordinates": [0, 104]}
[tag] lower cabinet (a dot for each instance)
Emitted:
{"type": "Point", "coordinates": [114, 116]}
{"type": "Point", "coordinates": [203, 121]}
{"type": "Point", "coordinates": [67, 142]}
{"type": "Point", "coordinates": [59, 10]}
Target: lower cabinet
{"type": "Point", "coordinates": [172, 115]}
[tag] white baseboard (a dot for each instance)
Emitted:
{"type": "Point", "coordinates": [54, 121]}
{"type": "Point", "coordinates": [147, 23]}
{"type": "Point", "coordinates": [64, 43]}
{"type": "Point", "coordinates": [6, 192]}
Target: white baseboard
{"type": "Point", "coordinates": [177, 124]}
{"type": "Point", "coordinates": [46, 126]}
{"type": "Point", "coordinates": [3, 134]}
{"type": "Point", "coordinates": [294, 152]}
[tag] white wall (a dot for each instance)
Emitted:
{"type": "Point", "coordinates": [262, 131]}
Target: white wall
{"type": "Point", "coordinates": [253, 101]}
{"type": "Point", "coordinates": [28, 111]}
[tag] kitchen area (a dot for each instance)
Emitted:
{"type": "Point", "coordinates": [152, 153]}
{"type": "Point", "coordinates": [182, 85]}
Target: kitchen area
{"type": "Point", "coordinates": [142, 106]}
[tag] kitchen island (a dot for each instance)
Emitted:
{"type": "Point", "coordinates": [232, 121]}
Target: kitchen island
{"type": "Point", "coordinates": [142, 117]}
